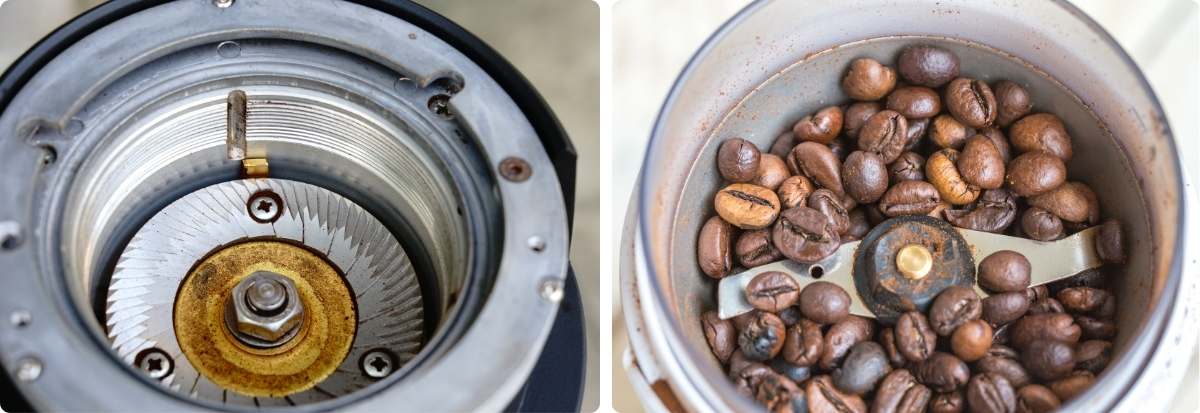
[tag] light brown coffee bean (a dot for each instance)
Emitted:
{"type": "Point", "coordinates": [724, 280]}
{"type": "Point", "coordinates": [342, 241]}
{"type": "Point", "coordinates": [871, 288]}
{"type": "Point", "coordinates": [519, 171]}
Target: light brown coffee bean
{"type": "Point", "coordinates": [910, 166]}
{"type": "Point", "coordinates": [947, 132]}
{"type": "Point", "coordinates": [747, 206]}
{"type": "Point", "coordinates": [821, 127]}
{"type": "Point", "coordinates": [915, 102]}
{"type": "Point", "coordinates": [981, 163]}
{"type": "Point", "coordinates": [772, 170]}
{"type": "Point", "coordinates": [868, 79]}
{"type": "Point", "coordinates": [1034, 173]}
{"type": "Point", "coordinates": [794, 191]}
{"type": "Point", "coordinates": [942, 172]}
{"type": "Point", "coordinates": [714, 247]}
{"type": "Point", "coordinates": [1041, 132]}
{"type": "Point", "coordinates": [885, 133]}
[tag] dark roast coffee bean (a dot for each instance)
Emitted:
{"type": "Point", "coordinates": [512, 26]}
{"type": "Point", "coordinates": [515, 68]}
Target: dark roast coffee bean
{"type": "Point", "coordinates": [1073, 385]}
{"type": "Point", "coordinates": [775, 392]}
{"type": "Point", "coordinates": [885, 133]}
{"type": "Point", "coordinates": [864, 176]}
{"type": "Point", "coordinates": [1004, 308]}
{"type": "Point", "coordinates": [816, 162]}
{"type": "Point", "coordinates": [747, 378]}
{"type": "Point", "coordinates": [909, 198]}
{"type": "Point", "coordinates": [772, 170]}
{"type": "Point", "coordinates": [899, 392]}
{"type": "Point", "coordinates": [1093, 355]}
{"type": "Point", "coordinates": [947, 132]}
{"type": "Point", "coordinates": [1082, 300]}
{"type": "Point", "coordinates": [971, 102]}
{"type": "Point", "coordinates": [829, 204]}
{"type": "Point", "coordinates": [1002, 351]}
{"type": "Point", "coordinates": [804, 235]}
{"type": "Point", "coordinates": [981, 163]}
{"type": "Point", "coordinates": [941, 171]}
{"type": "Point", "coordinates": [1034, 173]}
{"type": "Point", "coordinates": [942, 372]}
{"type": "Point", "coordinates": [1036, 398]}
{"type": "Point", "coordinates": [994, 211]}
{"type": "Point", "coordinates": [754, 248]}
{"type": "Point", "coordinates": [714, 247]}
{"type": "Point", "coordinates": [1004, 271]}
{"type": "Point", "coordinates": [1012, 102]}
{"type": "Point", "coordinates": [822, 127]}
{"type": "Point", "coordinates": [917, 129]}
{"type": "Point", "coordinates": [1110, 242]}
{"type": "Point", "coordinates": [841, 148]}
{"type": "Point", "coordinates": [859, 225]}
{"type": "Point", "coordinates": [862, 369]}
{"type": "Point", "coordinates": [794, 191]}
{"type": "Point", "coordinates": [737, 160]}
{"type": "Point", "coordinates": [1037, 292]}
{"type": "Point", "coordinates": [1093, 278]}
{"type": "Point", "coordinates": [915, 339]}
{"type": "Point", "coordinates": [722, 337]}
{"type": "Point", "coordinates": [824, 302]}
{"type": "Point", "coordinates": [999, 141]}
{"type": "Point", "coordinates": [1041, 225]}
{"type": "Point", "coordinates": [868, 79]}
{"type": "Point", "coordinates": [841, 337]}
{"type": "Point", "coordinates": [1050, 326]}
{"type": "Point", "coordinates": [857, 115]}
{"type": "Point", "coordinates": [762, 338]}
{"type": "Point", "coordinates": [791, 371]}
{"type": "Point", "coordinates": [927, 65]}
{"type": "Point", "coordinates": [782, 146]}
{"type": "Point", "coordinates": [887, 338]}
{"type": "Point", "coordinates": [915, 102]}
{"type": "Point", "coordinates": [991, 393]}
{"type": "Point", "coordinates": [747, 206]}
{"type": "Point", "coordinates": [1108, 309]}
{"type": "Point", "coordinates": [1071, 201]}
{"type": "Point", "coordinates": [952, 402]}
{"type": "Point", "coordinates": [790, 315]}
{"type": "Point", "coordinates": [824, 397]}
{"type": "Point", "coordinates": [1046, 305]}
{"type": "Point", "coordinates": [909, 166]}
{"type": "Point", "coordinates": [953, 307]}
{"type": "Point", "coordinates": [739, 362]}
{"type": "Point", "coordinates": [1094, 328]}
{"type": "Point", "coordinates": [1048, 359]}
{"type": "Point", "coordinates": [804, 345]}
{"type": "Point", "coordinates": [1041, 132]}
{"type": "Point", "coordinates": [1008, 367]}
{"type": "Point", "coordinates": [971, 340]}
{"type": "Point", "coordinates": [772, 291]}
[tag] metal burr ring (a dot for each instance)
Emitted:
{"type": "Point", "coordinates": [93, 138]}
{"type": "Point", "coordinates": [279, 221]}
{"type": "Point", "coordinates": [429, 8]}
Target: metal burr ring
{"type": "Point", "coordinates": [140, 305]}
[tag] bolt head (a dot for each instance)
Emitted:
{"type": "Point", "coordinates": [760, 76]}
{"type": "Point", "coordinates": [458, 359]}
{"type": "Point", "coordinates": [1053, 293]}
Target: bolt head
{"type": "Point", "coordinates": [377, 364]}
{"type": "Point", "coordinates": [269, 327]}
{"type": "Point", "coordinates": [29, 369]}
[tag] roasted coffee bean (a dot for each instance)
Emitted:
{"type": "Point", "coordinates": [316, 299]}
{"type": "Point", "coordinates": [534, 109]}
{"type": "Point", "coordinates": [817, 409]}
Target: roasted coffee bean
{"type": "Point", "coordinates": [782, 146]}
{"type": "Point", "coordinates": [1012, 102]}
{"type": "Point", "coordinates": [794, 372]}
{"type": "Point", "coordinates": [864, 176]}
{"type": "Point", "coordinates": [971, 340]}
{"type": "Point", "coordinates": [747, 378]}
{"type": "Point", "coordinates": [942, 372]}
{"type": "Point", "coordinates": [742, 320]}
{"type": "Point", "coordinates": [1110, 242]}
{"type": "Point", "coordinates": [1004, 271]}
{"type": "Point", "coordinates": [721, 335]}
{"type": "Point", "coordinates": [857, 115]}
{"type": "Point", "coordinates": [887, 338]}
{"type": "Point", "coordinates": [775, 392]}
{"type": "Point", "coordinates": [772, 170]}
{"type": "Point", "coordinates": [1093, 355]}
{"type": "Point", "coordinates": [737, 160]}
{"type": "Point", "coordinates": [1050, 326]}
{"type": "Point", "coordinates": [754, 248]}
{"type": "Point", "coordinates": [1041, 132]}
{"type": "Point", "coordinates": [805, 343]}
{"type": "Point", "coordinates": [953, 307]}
{"type": "Point", "coordinates": [1046, 305]}
{"type": "Point", "coordinates": [994, 211]}
{"type": "Point", "coordinates": [1048, 359]}
{"type": "Point", "coordinates": [762, 338]}
{"type": "Point", "coordinates": [1041, 225]}
{"type": "Point", "coordinates": [1108, 309]}
{"type": "Point", "coordinates": [1082, 300]}
{"type": "Point", "coordinates": [822, 127]}
{"type": "Point", "coordinates": [1008, 367]}
{"type": "Point", "coordinates": [862, 369]}
{"type": "Point", "coordinates": [915, 339]}
{"type": "Point", "coordinates": [941, 171]}
{"type": "Point", "coordinates": [829, 204]}
{"type": "Point", "coordinates": [824, 302]}
{"type": "Point", "coordinates": [909, 198]}
{"type": "Point", "coordinates": [868, 79]}
{"type": "Point", "coordinates": [859, 225]}
{"type": "Point", "coordinates": [1094, 328]}
{"type": "Point", "coordinates": [772, 291]}
{"type": "Point", "coordinates": [917, 129]}
{"type": "Point", "coordinates": [747, 206]}
{"type": "Point", "coordinates": [1002, 351]}
{"type": "Point", "coordinates": [899, 392]}
{"type": "Point", "coordinates": [991, 393]}
{"type": "Point", "coordinates": [952, 402]}
{"type": "Point", "coordinates": [927, 65]}
{"type": "Point", "coordinates": [824, 397]}
{"type": "Point", "coordinates": [1036, 398]}
{"type": "Point", "coordinates": [1073, 385]}
{"type": "Point", "coordinates": [1004, 308]}
{"type": "Point", "coordinates": [999, 141]}
{"type": "Point", "coordinates": [971, 102]}
{"type": "Point", "coordinates": [1071, 201]}
{"type": "Point", "coordinates": [909, 166]}
{"type": "Point", "coordinates": [738, 362]}
{"type": "Point", "coordinates": [915, 102]}
{"type": "Point", "coordinates": [885, 133]}
{"type": "Point", "coordinates": [714, 247]}
{"type": "Point", "coordinates": [981, 163]}
{"type": "Point", "coordinates": [1034, 173]}
{"type": "Point", "coordinates": [816, 162]}
{"type": "Point", "coordinates": [1094, 278]}
{"type": "Point", "coordinates": [1037, 292]}
{"type": "Point", "coordinates": [790, 315]}
{"type": "Point", "coordinates": [841, 148]}
{"type": "Point", "coordinates": [794, 191]}
{"type": "Point", "coordinates": [947, 132]}
{"type": "Point", "coordinates": [841, 337]}
{"type": "Point", "coordinates": [804, 235]}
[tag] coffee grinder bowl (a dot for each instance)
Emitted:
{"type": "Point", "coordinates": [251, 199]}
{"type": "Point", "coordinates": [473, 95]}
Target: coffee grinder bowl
{"type": "Point", "coordinates": [776, 61]}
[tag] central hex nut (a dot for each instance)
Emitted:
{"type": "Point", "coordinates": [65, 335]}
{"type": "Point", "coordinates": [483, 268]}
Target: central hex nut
{"type": "Point", "coordinates": [264, 310]}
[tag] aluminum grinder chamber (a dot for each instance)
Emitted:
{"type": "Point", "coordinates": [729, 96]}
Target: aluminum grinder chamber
{"type": "Point", "coordinates": [264, 204]}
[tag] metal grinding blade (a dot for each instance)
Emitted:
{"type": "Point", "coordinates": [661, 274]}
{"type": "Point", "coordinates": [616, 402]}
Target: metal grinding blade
{"type": "Point", "coordinates": [160, 255]}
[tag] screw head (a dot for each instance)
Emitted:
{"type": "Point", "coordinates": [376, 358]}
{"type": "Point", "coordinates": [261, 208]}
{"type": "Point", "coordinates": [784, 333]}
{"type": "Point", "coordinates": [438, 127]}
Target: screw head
{"type": "Point", "coordinates": [515, 169]}
{"type": "Point", "coordinates": [265, 207]}
{"type": "Point", "coordinates": [20, 318]}
{"type": "Point", "coordinates": [223, 3]}
{"type": "Point", "coordinates": [551, 289]}
{"type": "Point", "coordinates": [29, 369]}
{"type": "Point", "coordinates": [536, 243]}
{"type": "Point", "coordinates": [377, 363]}
{"type": "Point", "coordinates": [155, 363]}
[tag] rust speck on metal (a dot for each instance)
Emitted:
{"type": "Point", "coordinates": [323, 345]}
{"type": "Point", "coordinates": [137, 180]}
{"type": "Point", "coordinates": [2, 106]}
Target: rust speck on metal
{"type": "Point", "coordinates": [515, 169]}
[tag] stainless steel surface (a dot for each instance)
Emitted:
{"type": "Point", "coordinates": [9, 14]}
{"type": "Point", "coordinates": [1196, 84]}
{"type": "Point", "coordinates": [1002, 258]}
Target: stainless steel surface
{"type": "Point", "coordinates": [837, 268]}
{"type": "Point", "coordinates": [235, 115]}
{"type": "Point", "coordinates": [264, 310]}
{"type": "Point", "coordinates": [761, 71]}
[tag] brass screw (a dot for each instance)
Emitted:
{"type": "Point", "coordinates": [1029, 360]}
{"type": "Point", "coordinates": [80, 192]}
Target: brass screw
{"type": "Point", "coordinates": [914, 261]}
{"type": "Point", "coordinates": [515, 169]}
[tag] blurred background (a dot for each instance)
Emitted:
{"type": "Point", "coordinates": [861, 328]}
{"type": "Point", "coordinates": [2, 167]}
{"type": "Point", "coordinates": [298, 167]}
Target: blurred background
{"type": "Point", "coordinates": [555, 44]}
{"type": "Point", "coordinates": [653, 40]}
